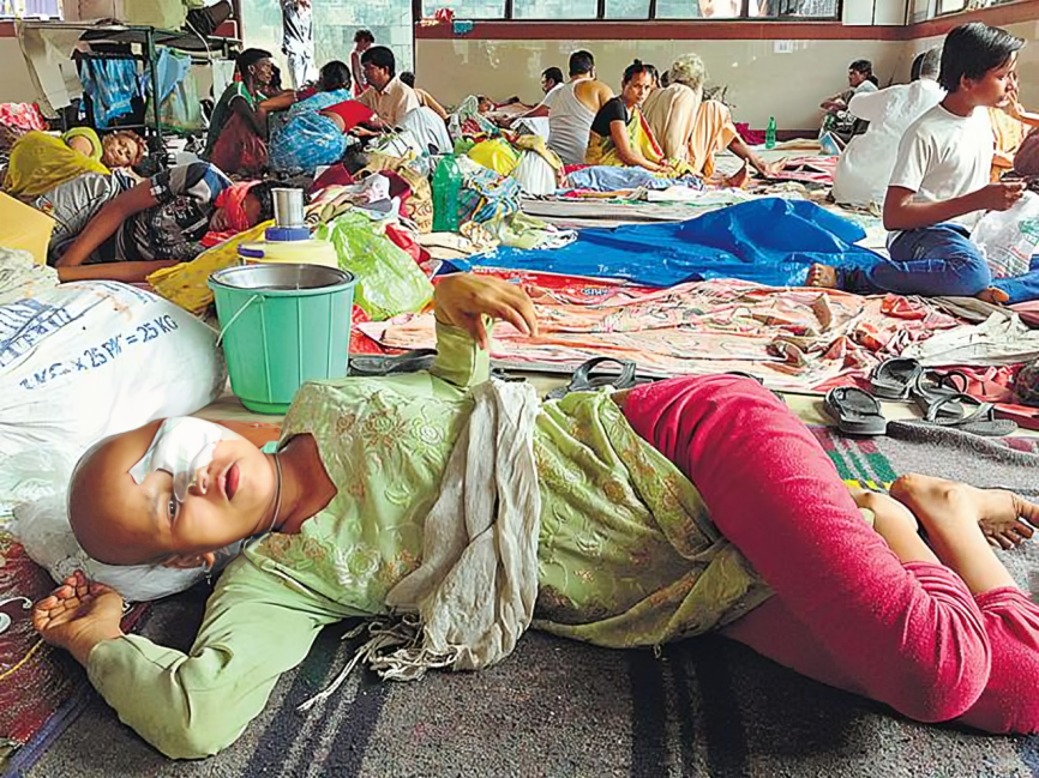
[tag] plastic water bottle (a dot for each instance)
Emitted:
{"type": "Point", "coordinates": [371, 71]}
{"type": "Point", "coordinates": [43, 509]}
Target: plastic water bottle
{"type": "Point", "coordinates": [447, 186]}
{"type": "Point", "coordinates": [770, 133]}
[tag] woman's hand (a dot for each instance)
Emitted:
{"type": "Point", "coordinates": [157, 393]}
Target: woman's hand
{"type": "Point", "coordinates": [78, 615]}
{"type": "Point", "coordinates": [463, 299]}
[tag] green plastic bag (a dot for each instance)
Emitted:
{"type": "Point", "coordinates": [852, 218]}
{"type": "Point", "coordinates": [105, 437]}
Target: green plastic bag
{"type": "Point", "coordinates": [388, 280]}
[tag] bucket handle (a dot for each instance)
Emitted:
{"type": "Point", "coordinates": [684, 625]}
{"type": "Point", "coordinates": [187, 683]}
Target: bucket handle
{"type": "Point", "coordinates": [239, 312]}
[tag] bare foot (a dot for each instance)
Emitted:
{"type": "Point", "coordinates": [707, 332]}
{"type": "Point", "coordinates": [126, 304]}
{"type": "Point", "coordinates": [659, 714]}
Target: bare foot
{"type": "Point", "coordinates": [1006, 519]}
{"type": "Point", "coordinates": [993, 296]}
{"type": "Point", "coordinates": [954, 515]}
{"type": "Point", "coordinates": [78, 615]}
{"type": "Point", "coordinates": [889, 515]}
{"type": "Point", "coordinates": [822, 276]}
{"type": "Point", "coordinates": [738, 180]}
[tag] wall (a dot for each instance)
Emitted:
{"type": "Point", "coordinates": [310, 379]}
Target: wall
{"type": "Point", "coordinates": [771, 69]}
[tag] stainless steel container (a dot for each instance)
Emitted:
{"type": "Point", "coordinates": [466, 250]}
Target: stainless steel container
{"type": "Point", "coordinates": [288, 207]}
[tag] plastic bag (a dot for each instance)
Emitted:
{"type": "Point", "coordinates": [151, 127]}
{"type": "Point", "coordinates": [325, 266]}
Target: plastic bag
{"type": "Point", "coordinates": [388, 280]}
{"type": "Point", "coordinates": [1008, 238]}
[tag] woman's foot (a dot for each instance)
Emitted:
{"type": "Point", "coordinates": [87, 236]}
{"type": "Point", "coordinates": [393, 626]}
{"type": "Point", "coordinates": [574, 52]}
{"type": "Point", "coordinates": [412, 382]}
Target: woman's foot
{"type": "Point", "coordinates": [822, 276]}
{"type": "Point", "coordinates": [993, 296]}
{"type": "Point", "coordinates": [1005, 518]}
{"type": "Point", "coordinates": [738, 180]}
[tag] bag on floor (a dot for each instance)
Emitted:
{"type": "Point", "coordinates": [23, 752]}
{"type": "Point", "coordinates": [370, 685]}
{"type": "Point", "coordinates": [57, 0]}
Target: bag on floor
{"type": "Point", "coordinates": [86, 360]}
{"type": "Point", "coordinates": [1008, 238]}
{"type": "Point", "coordinates": [388, 280]}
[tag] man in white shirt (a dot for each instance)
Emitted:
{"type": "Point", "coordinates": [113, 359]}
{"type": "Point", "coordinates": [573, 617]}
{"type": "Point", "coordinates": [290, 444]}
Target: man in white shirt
{"type": "Point", "coordinates": [865, 167]}
{"type": "Point", "coordinates": [940, 187]}
{"type": "Point", "coordinates": [839, 120]}
{"type": "Point", "coordinates": [388, 96]}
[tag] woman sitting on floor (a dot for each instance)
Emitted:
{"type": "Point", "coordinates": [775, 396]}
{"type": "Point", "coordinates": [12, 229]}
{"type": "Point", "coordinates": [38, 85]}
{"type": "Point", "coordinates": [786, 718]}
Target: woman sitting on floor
{"type": "Point", "coordinates": [620, 135]}
{"type": "Point", "coordinates": [39, 161]}
{"type": "Point", "coordinates": [316, 131]}
{"type": "Point", "coordinates": [237, 139]}
{"type": "Point", "coordinates": [692, 129]}
{"type": "Point", "coordinates": [621, 520]}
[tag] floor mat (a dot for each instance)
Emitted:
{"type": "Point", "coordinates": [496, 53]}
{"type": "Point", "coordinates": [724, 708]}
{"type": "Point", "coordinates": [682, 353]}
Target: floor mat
{"type": "Point", "coordinates": [41, 689]}
{"type": "Point", "coordinates": [797, 339]}
{"type": "Point", "coordinates": [555, 707]}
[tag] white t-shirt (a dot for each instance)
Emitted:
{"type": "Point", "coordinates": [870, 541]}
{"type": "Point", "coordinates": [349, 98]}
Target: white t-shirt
{"type": "Point", "coordinates": [943, 156]}
{"type": "Point", "coordinates": [866, 165]}
{"type": "Point", "coordinates": [550, 96]}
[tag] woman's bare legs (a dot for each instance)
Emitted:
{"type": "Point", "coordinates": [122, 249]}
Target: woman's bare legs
{"type": "Point", "coordinates": [957, 518]}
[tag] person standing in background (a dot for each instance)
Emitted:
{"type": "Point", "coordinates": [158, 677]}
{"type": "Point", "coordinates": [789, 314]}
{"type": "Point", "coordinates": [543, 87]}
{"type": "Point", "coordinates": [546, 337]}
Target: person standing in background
{"type": "Point", "coordinates": [363, 40]}
{"type": "Point", "coordinates": [297, 42]}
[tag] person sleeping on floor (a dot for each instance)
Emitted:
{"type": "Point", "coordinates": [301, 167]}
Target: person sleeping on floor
{"type": "Point", "coordinates": [113, 228]}
{"type": "Point", "coordinates": [940, 187]}
{"type": "Point", "coordinates": [621, 520]}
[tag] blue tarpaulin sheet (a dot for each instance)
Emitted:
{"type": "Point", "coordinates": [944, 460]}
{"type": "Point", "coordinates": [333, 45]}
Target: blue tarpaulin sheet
{"type": "Point", "coordinates": [771, 241]}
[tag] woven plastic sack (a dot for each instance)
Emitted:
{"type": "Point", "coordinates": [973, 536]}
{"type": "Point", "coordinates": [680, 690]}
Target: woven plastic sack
{"type": "Point", "coordinates": [1008, 238]}
{"type": "Point", "coordinates": [388, 280]}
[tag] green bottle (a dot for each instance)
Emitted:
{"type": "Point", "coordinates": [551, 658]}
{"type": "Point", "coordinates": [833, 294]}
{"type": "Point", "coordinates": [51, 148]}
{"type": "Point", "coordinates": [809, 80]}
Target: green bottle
{"type": "Point", "coordinates": [770, 133]}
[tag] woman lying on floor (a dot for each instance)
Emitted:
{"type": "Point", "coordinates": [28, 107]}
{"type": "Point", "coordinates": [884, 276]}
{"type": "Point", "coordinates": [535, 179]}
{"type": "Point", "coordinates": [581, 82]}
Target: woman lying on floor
{"type": "Point", "coordinates": [624, 520]}
{"type": "Point", "coordinates": [105, 230]}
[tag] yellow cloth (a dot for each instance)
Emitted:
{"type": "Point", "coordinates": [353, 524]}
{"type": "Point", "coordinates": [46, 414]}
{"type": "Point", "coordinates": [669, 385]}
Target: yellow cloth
{"type": "Point", "coordinates": [96, 149]}
{"type": "Point", "coordinates": [39, 162]}
{"type": "Point", "coordinates": [602, 151]}
{"type": "Point", "coordinates": [688, 127]}
{"type": "Point", "coordinates": [537, 144]}
{"type": "Point", "coordinates": [1008, 134]}
{"type": "Point", "coordinates": [185, 284]}
{"type": "Point", "coordinates": [23, 227]}
{"type": "Point", "coordinates": [496, 154]}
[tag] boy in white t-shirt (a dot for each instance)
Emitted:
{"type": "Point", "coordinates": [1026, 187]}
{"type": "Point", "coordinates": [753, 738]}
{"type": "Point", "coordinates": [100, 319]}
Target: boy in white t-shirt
{"type": "Point", "coordinates": [940, 186]}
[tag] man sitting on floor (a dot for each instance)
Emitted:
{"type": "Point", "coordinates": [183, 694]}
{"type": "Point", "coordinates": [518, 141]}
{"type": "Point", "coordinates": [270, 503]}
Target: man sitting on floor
{"type": "Point", "coordinates": [839, 120]}
{"type": "Point", "coordinates": [692, 129]}
{"type": "Point", "coordinates": [389, 97]}
{"type": "Point", "coordinates": [154, 224]}
{"type": "Point", "coordinates": [574, 108]}
{"type": "Point", "coordinates": [866, 165]}
{"type": "Point", "coordinates": [551, 83]}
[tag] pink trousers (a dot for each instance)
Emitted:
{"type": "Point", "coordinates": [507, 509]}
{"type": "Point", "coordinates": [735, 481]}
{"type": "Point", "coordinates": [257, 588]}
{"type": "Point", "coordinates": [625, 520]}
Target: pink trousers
{"type": "Point", "coordinates": [846, 610]}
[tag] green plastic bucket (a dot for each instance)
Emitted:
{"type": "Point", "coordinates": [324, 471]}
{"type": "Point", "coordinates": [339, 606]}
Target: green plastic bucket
{"type": "Point", "coordinates": [282, 324]}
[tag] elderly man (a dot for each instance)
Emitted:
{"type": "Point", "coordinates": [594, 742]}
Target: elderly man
{"type": "Point", "coordinates": [692, 129]}
{"type": "Point", "coordinates": [389, 97]}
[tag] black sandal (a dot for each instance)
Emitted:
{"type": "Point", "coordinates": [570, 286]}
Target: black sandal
{"type": "Point", "coordinates": [583, 381]}
{"type": "Point", "coordinates": [856, 412]}
{"type": "Point", "coordinates": [963, 412]}
{"type": "Point", "coordinates": [893, 378]}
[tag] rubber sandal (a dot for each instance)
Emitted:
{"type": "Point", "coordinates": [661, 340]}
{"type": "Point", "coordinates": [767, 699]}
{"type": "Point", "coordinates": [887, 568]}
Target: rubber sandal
{"type": "Point", "coordinates": [583, 380]}
{"type": "Point", "coordinates": [969, 414]}
{"type": "Point", "coordinates": [893, 378]}
{"type": "Point", "coordinates": [368, 365]}
{"type": "Point", "coordinates": [931, 386]}
{"type": "Point", "coordinates": [856, 412]}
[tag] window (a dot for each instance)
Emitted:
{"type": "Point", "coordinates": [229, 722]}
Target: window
{"type": "Point", "coordinates": [955, 6]}
{"type": "Point", "coordinates": [951, 6]}
{"type": "Point", "coordinates": [748, 9]}
{"type": "Point", "coordinates": [627, 9]}
{"type": "Point", "coordinates": [467, 9]}
{"type": "Point", "coordinates": [555, 9]}
{"type": "Point", "coordinates": [43, 9]}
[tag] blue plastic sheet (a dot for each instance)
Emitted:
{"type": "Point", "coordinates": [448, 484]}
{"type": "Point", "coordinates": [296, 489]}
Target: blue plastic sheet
{"type": "Point", "coordinates": [770, 241]}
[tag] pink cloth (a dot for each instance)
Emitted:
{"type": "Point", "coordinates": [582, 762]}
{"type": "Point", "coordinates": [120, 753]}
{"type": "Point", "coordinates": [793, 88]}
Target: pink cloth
{"type": "Point", "coordinates": [846, 611]}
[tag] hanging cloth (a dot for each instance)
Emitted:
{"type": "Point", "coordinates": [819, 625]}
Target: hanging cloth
{"type": "Point", "coordinates": [112, 86]}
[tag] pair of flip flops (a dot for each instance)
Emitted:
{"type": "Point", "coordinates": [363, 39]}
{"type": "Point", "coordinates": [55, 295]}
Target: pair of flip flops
{"type": "Point", "coordinates": [940, 396]}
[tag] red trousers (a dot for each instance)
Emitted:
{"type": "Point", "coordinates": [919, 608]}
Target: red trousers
{"type": "Point", "coordinates": [846, 610]}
